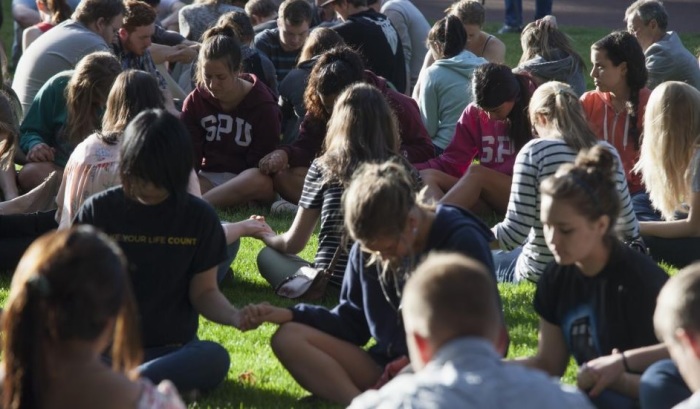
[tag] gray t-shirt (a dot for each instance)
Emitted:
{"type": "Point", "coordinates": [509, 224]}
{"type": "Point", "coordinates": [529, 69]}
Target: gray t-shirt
{"type": "Point", "coordinates": [413, 29]}
{"type": "Point", "coordinates": [195, 19]}
{"type": "Point", "coordinates": [50, 54]}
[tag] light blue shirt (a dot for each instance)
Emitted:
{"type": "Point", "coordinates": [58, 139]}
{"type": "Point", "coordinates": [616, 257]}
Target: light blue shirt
{"type": "Point", "coordinates": [693, 402]}
{"type": "Point", "coordinates": [468, 373]}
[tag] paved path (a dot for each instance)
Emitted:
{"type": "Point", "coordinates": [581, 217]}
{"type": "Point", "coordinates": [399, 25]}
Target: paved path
{"type": "Point", "coordinates": [684, 15]}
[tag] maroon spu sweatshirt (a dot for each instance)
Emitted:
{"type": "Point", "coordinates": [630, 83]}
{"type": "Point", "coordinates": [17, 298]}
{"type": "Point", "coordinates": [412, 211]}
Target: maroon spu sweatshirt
{"type": "Point", "coordinates": [236, 140]}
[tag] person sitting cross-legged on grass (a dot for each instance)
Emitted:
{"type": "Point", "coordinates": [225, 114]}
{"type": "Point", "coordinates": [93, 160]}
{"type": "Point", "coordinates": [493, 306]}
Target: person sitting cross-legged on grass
{"type": "Point", "coordinates": [234, 121]}
{"type": "Point", "coordinates": [558, 119]}
{"type": "Point", "coordinates": [492, 129]}
{"type": "Point", "coordinates": [596, 299]}
{"type": "Point", "coordinates": [451, 315]}
{"type": "Point", "coordinates": [392, 229]}
{"type": "Point", "coordinates": [362, 129]}
{"type": "Point", "coordinates": [446, 89]}
{"type": "Point", "coordinates": [670, 165]}
{"type": "Point", "coordinates": [615, 109]}
{"type": "Point", "coordinates": [66, 110]}
{"type": "Point", "coordinates": [480, 43]}
{"type": "Point", "coordinates": [670, 162]}
{"type": "Point", "coordinates": [549, 56]}
{"type": "Point", "coordinates": [173, 242]}
{"type": "Point", "coordinates": [334, 71]}
{"type": "Point", "coordinates": [69, 301]}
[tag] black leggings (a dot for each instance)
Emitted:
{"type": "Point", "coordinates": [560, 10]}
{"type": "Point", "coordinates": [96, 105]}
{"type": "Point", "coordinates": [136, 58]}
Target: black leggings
{"type": "Point", "coordinates": [677, 252]}
{"type": "Point", "coordinates": [18, 231]}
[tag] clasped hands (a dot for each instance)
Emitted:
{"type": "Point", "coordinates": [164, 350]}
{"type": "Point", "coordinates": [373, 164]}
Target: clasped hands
{"type": "Point", "coordinates": [253, 315]}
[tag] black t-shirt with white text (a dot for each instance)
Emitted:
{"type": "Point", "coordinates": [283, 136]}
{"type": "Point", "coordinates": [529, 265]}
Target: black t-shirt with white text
{"type": "Point", "coordinates": [166, 245]}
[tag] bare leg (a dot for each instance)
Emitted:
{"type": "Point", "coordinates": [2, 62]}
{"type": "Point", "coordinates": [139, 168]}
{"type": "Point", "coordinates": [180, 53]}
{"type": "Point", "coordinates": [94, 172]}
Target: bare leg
{"type": "Point", "coordinates": [193, 185]}
{"type": "Point", "coordinates": [249, 185]}
{"type": "Point", "coordinates": [8, 182]}
{"type": "Point", "coordinates": [289, 183]}
{"type": "Point", "coordinates": [437, 182]}
{"type": "Point", "coordinates": [39, 199]}
{"type": "Point", "coordinates": [481, 183]}
{"type": "Point", "coordinates": [34, 173]}
{"type": "Point", "coordinates": [324, 365]}
{"type": "Point", "coordinates": [205, 184]}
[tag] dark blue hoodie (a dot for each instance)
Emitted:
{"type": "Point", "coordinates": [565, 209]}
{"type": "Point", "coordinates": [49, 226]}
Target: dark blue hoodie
{"type": "Point", "coordinates": [364, 311]}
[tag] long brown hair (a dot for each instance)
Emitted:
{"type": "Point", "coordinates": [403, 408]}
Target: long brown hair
{"type": "Point", "coordinates": [362, 129]}
{"type": "Point", "coordinates": [133, 91]}
{"type": "Point", "coordinates": [86, 94]}
{"type": "Point", "coordinates": [68, 286]}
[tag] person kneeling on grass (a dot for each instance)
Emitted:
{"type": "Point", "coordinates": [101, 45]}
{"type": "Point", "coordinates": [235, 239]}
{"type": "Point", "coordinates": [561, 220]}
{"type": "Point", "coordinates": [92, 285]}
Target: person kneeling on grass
{"type": "Point", "coordinates": [596, 299]}
{"type": "Point", "coordinates": [452, 319]}
{"type": "Point", "coordinates": [392, 229]}
{"type": "Point", "coordinates": [173, 242]}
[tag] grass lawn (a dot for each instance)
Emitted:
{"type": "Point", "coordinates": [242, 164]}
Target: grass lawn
{"type": "Point", "coordinates": [256, 379]}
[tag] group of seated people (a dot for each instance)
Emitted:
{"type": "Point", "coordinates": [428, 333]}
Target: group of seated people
{"type": "Point", "coordinates": [399, 140]}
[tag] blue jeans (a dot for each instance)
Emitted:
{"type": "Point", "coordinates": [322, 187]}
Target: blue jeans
{"type": "Point", "coordinates": [662, 387]}
{"type": "Point", "coordinates": [514, 11]}
{"type": "Point", "coordinates": [643, 209]}
{"type": "Point", "coordinates": [231, 252]}
{"type": "Point", "coordinates": [609, 399]}
{"type": "Point", "coordinates": [504, 264]}
{"type": "Point", "coordinates": [677, 252]}
{"type": "Point", "coordinates": [197, 365]}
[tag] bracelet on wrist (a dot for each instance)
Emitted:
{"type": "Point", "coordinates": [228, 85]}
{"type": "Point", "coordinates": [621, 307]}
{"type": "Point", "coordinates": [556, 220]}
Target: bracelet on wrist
{"type": "Point", "coordinates": [624, 362]}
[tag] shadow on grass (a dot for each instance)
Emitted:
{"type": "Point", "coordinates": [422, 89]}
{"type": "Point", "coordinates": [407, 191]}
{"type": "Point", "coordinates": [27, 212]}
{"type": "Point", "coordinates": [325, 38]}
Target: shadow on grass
{"type": "Point", "coordinates": [236, 394]}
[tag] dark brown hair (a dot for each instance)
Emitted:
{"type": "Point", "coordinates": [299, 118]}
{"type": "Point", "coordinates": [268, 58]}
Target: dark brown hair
{"type": "Point", "coordinates": [621, 46]}
{"type": "Point", "coordinates": [86, 94]}
{"type": "Point", "coordinates": [58, 9]}
{"type": "Point", "coordinates": [332, 73]}
{"type": "Point", "coordinates": [219, 43]}
{"type": "Point", "coordinates": [138, 14]}
{"type": "Point", "coordinates": [588, 185]}
{"type": "Point", "coordinates": [68, 286]}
